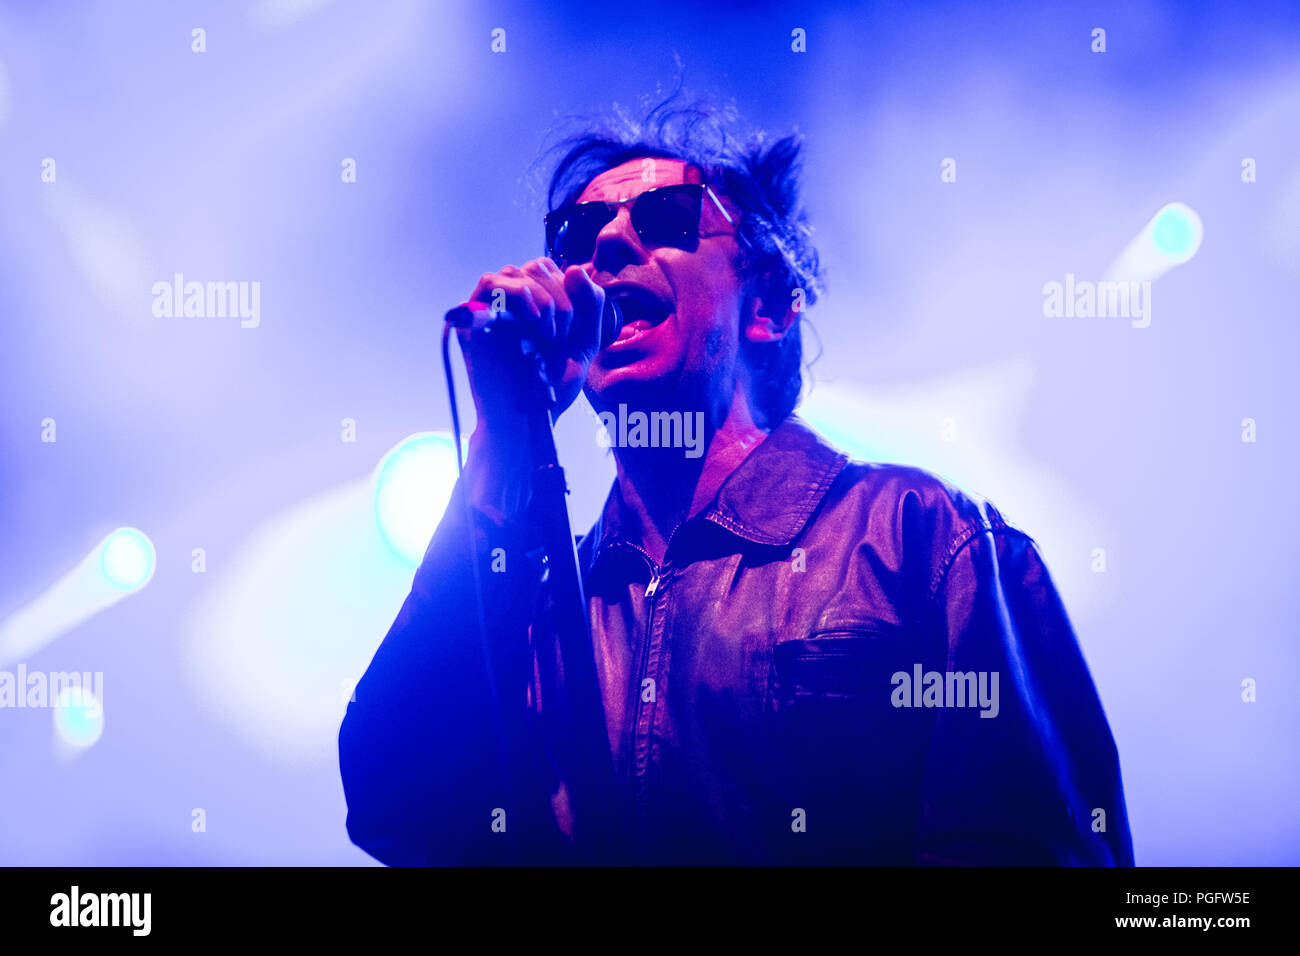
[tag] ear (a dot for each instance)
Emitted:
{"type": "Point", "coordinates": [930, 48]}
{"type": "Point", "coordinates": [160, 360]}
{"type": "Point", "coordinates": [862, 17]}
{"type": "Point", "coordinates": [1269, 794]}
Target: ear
{"type": "Point", "coordinates": [770, 317]}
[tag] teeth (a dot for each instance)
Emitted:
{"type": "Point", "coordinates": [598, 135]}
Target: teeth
{"type": "Point", "coordinates": [633, 330]}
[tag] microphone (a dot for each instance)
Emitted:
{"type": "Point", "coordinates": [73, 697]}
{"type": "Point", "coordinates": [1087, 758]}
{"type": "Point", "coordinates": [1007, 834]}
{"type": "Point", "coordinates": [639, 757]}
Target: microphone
{"type": "Point", "coordinates": [476, 315]}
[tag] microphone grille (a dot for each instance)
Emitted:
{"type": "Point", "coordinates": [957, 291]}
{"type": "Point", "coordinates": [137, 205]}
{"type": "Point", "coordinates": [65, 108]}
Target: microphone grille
{"type": "Point", "coordinates": [611, 322]}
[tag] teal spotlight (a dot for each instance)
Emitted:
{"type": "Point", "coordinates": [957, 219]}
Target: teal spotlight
{"type": "Point", "coordinates": [127, 559]}
{"type": "Point", "coordinates": [413, 484]}
{"type": "Point", "coordinates": [78, 717]}
{"type": "Point", "coordinates": [1176, 232]}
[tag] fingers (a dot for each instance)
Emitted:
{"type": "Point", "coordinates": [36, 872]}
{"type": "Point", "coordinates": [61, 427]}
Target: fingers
{"type": "Point", "coordinates": [559, 312]}
{"type": "Point", "coordinates": [534, 295]}
{"type": "Point", "coordinates": [548, 275]}
{"type": "Point", "coordinates": [517, 295]}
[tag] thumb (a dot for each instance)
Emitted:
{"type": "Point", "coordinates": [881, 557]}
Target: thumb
{"type": "Point", "coordinates": [588, 300]}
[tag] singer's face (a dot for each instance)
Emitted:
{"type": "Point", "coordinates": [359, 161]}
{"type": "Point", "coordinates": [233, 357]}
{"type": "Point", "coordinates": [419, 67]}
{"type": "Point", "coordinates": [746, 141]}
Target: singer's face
{"type": "Point", "coordinates": [680, 346]}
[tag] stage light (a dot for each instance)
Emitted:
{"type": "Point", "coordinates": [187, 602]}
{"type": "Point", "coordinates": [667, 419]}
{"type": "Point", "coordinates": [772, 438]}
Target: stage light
{"type": "Point", "coordinates": [1176, 232]}
{"type": "Point", "coordinates": [1170, 238]}
{"type": "Point", "coordinates": [127, 559]}
{"type": "Point", "coordinates": [119, 566]}
{"type": "Point", "coordinates": [78, 717]}
{"type": "Point", "coordinates": [413, 484]}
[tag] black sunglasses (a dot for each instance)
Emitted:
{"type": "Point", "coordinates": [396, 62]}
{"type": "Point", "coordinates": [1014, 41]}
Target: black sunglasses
{"type": "Point", "coordinates": [667, 216]}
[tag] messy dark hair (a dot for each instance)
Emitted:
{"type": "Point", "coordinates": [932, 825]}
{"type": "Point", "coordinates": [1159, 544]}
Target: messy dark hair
{"type": "Point", "coordinates": [758, 174]}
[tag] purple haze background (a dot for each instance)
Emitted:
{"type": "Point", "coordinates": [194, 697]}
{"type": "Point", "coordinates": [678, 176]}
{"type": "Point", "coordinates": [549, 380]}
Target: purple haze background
{"type": "Point", "coordinates": [222, 688]}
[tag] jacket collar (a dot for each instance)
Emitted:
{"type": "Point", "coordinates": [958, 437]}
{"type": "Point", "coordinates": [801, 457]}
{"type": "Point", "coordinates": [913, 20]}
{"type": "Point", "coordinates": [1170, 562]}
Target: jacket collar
{"type": "Point", "coordinates": [768, 498]}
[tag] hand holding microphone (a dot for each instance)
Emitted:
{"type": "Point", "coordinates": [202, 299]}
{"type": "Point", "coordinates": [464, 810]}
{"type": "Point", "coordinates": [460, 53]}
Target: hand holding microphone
{"type": "Point", "coordinates": [475, 315]}
{"type": "Point", "coordinates": [564, 315]}
{"type": "Point", "coordinates": [561, 315]}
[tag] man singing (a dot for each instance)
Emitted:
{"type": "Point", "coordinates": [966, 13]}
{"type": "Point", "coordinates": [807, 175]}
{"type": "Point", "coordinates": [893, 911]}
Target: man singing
{"type": "Point", "coordinates": [801, 658]}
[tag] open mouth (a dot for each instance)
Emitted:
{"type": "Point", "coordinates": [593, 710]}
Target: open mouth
{"type": "Point", "coordinates": [642, 311]}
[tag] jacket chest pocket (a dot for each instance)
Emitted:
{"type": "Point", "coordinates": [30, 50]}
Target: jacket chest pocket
{"type": "Point", "coordinates": [841, 751]}
{"type": "Point", "coordinates": [850, 665]}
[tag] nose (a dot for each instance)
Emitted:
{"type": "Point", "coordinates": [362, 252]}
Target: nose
{"type": "Point", "coordinates": [617, 244]}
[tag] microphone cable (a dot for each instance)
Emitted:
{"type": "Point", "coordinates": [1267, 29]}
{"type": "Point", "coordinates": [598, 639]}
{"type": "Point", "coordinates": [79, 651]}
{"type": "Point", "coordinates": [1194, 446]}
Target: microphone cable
{"type": "Point", "coordinates": [494, 696]}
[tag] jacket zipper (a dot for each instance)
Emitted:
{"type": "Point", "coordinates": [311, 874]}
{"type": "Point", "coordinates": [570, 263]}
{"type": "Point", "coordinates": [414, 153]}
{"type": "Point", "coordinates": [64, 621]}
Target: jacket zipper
{"type": "Point", "coordinates": [657, 578]}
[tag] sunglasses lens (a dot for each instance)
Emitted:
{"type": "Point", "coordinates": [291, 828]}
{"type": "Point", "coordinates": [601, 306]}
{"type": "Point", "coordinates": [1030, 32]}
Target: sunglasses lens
{"type": "Point", "coordinates": [571, 231]}
{"type": "Point", "coordinates": [669, 216]}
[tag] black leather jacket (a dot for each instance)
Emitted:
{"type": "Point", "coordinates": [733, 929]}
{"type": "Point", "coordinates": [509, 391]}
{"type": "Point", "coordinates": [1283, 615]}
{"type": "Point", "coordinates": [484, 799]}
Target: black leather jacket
{"type": "Point", "coordinates": [800, 682]}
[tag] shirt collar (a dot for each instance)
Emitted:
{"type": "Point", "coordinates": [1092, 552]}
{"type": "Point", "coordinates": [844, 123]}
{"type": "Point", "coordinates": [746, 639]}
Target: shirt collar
{"type": "Point", "coordinates": [767, 499]}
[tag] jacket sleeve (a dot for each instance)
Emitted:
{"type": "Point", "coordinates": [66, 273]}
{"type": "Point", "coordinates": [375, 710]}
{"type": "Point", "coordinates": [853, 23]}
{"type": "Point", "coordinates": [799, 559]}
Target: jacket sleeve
{"type": "Point", "coordinates": [433, 771]}
{"type": "Point", "coordinates": [1031, 776]}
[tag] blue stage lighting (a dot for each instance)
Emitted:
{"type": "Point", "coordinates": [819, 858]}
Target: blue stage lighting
{"type": "Point", "coordinates": [78, 717]}
{"type": "Point", "coordinates": [127, 559]}
{"type": "Point", "coordinates": [1176, 232]}
{"type": "Point", "coordinates": [412, 487]}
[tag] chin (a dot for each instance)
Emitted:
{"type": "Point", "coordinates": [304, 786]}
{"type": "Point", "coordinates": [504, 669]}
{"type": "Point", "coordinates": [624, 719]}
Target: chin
{"type": "Point", "coordinates": [635, 384]}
